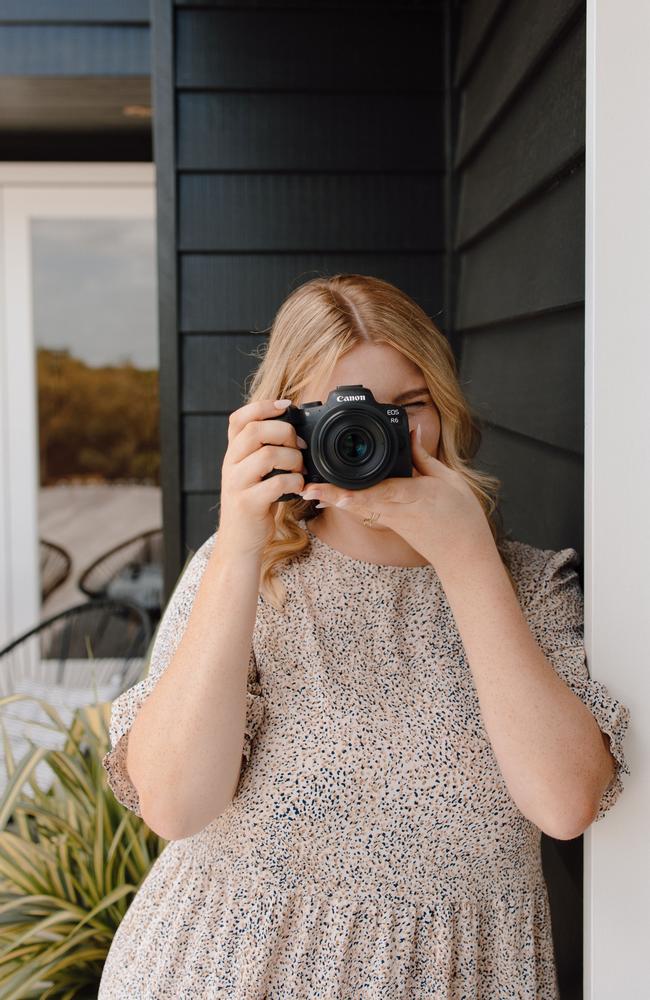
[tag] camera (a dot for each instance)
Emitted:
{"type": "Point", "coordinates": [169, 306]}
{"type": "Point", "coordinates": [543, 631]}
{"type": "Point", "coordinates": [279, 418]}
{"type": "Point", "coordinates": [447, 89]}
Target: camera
{"type": "Point", "coordinates": [352, 440]}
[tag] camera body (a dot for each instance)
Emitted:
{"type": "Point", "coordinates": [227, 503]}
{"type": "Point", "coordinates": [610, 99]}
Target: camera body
{"type": "Point", "coordinates": [352, 440]}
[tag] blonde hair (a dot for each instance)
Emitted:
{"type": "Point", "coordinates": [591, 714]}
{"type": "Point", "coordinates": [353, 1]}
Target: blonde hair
{"type": "Point", "coordinates": [317, 324]}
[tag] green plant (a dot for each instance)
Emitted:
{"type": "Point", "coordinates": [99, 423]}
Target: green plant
{"type": "Point", "coordinates": [71, 860]}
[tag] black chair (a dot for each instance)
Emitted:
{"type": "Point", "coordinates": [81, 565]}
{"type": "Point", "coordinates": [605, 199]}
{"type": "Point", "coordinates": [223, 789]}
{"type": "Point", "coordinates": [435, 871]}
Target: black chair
{"type": "Point", "coordinates": [86, 654]}
{"type": "Point", "coordinates": [56, 564]}
{"type": "Point", "coordinates": [131, 571]}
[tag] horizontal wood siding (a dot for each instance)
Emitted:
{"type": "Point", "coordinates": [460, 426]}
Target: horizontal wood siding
{"type": "Point", "coordinates": [519, 251]}
{"type": "Point", "coordinates": [74, 49]}
{"type": "Point", "coordinates": [519, 305]}
{"type": "Point", "coordinates": [311, 49]}
{"type": "Point", "coordinates": [239, 292]}
{"type": "Point", "coordinates": [280, 212]}
{"type": "Point", "coordinates": [284, 131]}
{"type": "Point", "coordinates": [309, 139]}
{"type": "Point", "coordinates": [74, 11]}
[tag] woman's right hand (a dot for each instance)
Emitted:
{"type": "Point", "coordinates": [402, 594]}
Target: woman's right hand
{"type": "Point", "coordinates": [256, 445]}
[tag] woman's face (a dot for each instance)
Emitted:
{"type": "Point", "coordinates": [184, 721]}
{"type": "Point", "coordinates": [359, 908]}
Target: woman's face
{"type": "Point", "coordinates": [390, 376]}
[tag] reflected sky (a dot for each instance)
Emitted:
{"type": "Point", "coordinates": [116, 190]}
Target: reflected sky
{"type": "Point", "coordinates": [94, 289]}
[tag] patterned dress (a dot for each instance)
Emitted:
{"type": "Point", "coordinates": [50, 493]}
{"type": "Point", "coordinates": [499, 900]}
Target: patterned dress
{"type": "Point", "coordinates": [372, 849]}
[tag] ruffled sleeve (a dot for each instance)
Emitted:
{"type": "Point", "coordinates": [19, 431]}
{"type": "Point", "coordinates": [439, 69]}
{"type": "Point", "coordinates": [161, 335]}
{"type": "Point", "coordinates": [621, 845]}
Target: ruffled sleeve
{"type": "Point", "coordinates": [555, 616]}
{"type": "Point", "coordinates": [126, 706]}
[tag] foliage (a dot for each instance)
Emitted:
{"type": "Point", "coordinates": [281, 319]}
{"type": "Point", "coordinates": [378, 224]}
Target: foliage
{"type": "Point", "coordinates": [71, 861]}
{"type": "Point", "coordinates": [97, 424]}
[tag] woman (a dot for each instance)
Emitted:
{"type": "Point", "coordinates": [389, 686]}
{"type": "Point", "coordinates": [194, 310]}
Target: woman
{"type": "Point", "coordinates": [362, 816]}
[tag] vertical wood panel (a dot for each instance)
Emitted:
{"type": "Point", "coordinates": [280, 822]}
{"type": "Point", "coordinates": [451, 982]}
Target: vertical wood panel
{"type": "Point", "coordinates": [164, 147]}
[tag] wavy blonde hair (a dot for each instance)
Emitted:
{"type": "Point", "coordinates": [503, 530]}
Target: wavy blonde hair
{"type": "Point", "coordinates": [317, 324]}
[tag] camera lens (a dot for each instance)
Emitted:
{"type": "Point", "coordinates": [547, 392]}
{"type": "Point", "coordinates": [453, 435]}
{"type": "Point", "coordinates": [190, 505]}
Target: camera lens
{"type": "Point", "coordinates": [353, 445]}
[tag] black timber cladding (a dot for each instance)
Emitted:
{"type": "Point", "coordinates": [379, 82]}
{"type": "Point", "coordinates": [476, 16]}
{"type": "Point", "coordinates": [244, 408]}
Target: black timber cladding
{"type": "Point", "coordinates": [67, 70]}
{"type": "Point", "coordinates": [308, 139]}
{"type": "Point", "coordinates": [519, 254]}
{"type": "Point", "coordinates": [74, 37]}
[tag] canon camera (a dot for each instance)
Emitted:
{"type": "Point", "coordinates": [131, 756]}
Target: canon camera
{"type": "Point", "coordinates": [352, 440]}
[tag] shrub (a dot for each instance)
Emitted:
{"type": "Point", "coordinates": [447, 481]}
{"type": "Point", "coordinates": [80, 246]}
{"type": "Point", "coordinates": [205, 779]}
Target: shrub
{"type": "Point", "coordinates": [71, 860]}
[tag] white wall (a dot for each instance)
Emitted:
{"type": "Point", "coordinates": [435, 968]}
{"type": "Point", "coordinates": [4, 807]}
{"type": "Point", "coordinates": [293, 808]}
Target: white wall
{"type": "Point", "coordinates": [617, 478]}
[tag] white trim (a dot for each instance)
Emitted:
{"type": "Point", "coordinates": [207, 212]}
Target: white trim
{"type": "Point", "coordinates": [46, 191]}
{"type": "Point", "coordinates": [617, 477]}
{"type": "Point", "coordinates": [27, 173]}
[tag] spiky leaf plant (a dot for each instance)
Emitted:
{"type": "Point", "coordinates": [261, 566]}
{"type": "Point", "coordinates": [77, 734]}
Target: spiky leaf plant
{"type": "Point", "coordinates": [71, 860]}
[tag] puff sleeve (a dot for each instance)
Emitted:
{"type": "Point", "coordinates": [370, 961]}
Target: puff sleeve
{"type": "Point", "coordinates": [556, 619]}
{"type": "Point", "coordinates": [125, 707]}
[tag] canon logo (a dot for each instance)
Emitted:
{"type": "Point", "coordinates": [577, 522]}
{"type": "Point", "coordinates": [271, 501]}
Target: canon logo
{"type": "Point", "coordinates": [349, 399]}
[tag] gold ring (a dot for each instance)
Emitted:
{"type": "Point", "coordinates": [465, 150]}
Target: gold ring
{"type": "Point", "coordinates": [370, 520]}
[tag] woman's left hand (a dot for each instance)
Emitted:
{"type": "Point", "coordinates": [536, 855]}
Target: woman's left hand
{"type": "Point", "coordinates": [434, 510]}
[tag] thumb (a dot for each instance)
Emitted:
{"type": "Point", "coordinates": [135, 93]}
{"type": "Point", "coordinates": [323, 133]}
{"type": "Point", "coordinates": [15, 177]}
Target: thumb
{"type": "Point", "coordinates": [419, 452]}
{"type": "Point", "coordinates": [424, 463]}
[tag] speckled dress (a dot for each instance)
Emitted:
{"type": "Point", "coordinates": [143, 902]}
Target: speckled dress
{"type": "Point", "coordinates": [372, 849]}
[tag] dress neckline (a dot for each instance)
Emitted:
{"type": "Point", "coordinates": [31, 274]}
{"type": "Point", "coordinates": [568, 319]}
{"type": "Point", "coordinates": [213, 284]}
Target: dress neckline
{"type": "Point", "coordinates": [342, 559]}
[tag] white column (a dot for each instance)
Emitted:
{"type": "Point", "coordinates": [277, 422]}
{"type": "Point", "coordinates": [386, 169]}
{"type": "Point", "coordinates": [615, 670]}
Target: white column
{"type": "Point", "coordinates": [617, 478]}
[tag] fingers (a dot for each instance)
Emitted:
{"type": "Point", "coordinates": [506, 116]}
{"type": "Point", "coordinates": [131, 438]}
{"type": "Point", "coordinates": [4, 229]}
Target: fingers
{"type": "Point", "coordinates": [264, 433]}
{"type": "Point", "coordinates": [259, 409]}
{"type": "Point", "coordinates": [259, 445]}
{"type": "Point", "coordinates": [248, 435]}
{"type": "Point", "coordinates": [273, 487]}
{"type": "Point", "coordinates": [269, 457]}
{"type": "Point", "coordinates": [373, 496]}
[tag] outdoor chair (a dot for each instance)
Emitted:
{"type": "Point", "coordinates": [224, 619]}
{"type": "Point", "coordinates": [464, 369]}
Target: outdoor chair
{"type": "Point", "coordinates": [86, 654]}
{"type": "Point", "coordinates": [131, 571]}
{"type": "Point", "coordinates": [56, 564]}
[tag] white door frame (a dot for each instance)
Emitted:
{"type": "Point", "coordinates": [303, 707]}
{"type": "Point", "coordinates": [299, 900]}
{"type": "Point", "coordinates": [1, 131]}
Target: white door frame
{"type": "Point", "coordinates": [617, 477]}
{"type": "Point", "coordinates": [39, 190]}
